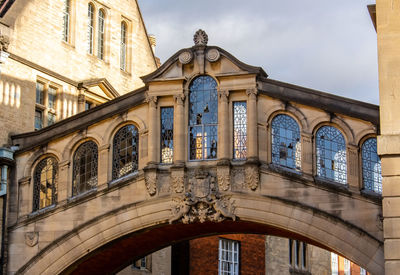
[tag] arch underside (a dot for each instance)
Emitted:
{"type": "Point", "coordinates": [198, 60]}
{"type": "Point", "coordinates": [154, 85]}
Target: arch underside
{"type": "Point", "coordinates": [108, 243]}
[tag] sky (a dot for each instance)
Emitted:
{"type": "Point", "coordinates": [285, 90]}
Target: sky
{"type": "Point", "coordinates": [319, 44]}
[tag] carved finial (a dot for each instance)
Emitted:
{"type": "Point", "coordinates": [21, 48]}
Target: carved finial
{"type": "Point", "coordinates": [200, 38]}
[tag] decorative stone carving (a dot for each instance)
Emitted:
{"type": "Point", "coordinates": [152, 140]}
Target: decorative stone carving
{"type": "Point", "coordinates": [152, 100]}
{"type": "Point", "coordinates": [202, 202]}
{"type": "Point", "coordinates": [180, 98]}
{"type": "Point", "coordinates": [4, 42]}
{"type": "Point", "coordinates": [212, 55]}
{"type": "Point", "coordinates": [224, 177]}
{"type": "Point", "coordinates": [252, 176]}
{"type": "Point", "coordinates": [223, 95]}
{"type": "Point", "coordinates": [186, 57]}
{"type": "Point", "coordinates": [200, 38]}
{"type": "Point", "coordinates": [150, 178]}
{"type": "Point", "coordinates": [31, 238]}
{"type": "Point", "coordinates": [252, 93]}
{"type": "Point", "coordinates": [178, 180]}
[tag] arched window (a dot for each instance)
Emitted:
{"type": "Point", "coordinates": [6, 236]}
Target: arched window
{"type": "Point", "coordinates": [90, 26]}
{"type": "Point", "coordinates": [371, 166]}
{"type": "Point", "coordinates": [45, 184]}
{"type": "Point", "coordinates": [66, 20]}
{"type": "Point", "coordinates": [85, 168]}
{"type": "Point", "coordinates": [125, 151]}
{"type": "Point", "coordinates": [203, 118]}
{"type": "Point", "coordinates": [124, 29]}
{"type": "Point", "coordinates": [286, 145]}
{"type": "Point", "coordinates": [331, 154]}
{"type": "Point", "coordinates": [100, 35]}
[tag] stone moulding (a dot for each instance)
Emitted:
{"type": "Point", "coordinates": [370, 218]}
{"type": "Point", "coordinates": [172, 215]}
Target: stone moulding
{"type": "Point", "coordinates": [186, 57]}
{"type": "Point", "coordinates": [202, 202]}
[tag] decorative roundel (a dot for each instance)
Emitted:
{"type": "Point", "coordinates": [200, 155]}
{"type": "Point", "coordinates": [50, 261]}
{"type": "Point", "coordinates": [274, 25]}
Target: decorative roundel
{"type": "Point", "coordinates": [200, 37]}
{"type": "Point", "coordinates": [185, 57]}
{"type": "Point", "coordinates": [212, 55]}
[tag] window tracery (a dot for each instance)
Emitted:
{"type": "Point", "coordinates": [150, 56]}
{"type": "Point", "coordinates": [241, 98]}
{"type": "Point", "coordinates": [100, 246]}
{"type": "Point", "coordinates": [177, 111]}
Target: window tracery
{"type": "Point", "coordinates": [203, 118]}
{"type": "Point", "coordinates": [167, 134]}
{"type": "Point", "coordinates": [45, 183]}
{"type": "Point", "coordinates": [85, 168]}
{"type": "Point", "coordinates": [125, 151]}
{"type": "Point", "coordinates": [286, 145]}
{"type": "Point", "coordinates": [331, 154]}
{"type": "Point", "coordinates": [371, 166]}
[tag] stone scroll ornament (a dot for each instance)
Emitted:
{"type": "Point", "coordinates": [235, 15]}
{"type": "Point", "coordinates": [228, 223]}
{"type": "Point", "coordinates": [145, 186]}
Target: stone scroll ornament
{"type": "Point", "coordinates": [178, 181]}
{"type": "Point", "coordinates": [202, 202]}
{"type": "Point", "coordinates": [252, 175]}
{"type": "Point", "coordinates": [31, 238]}
{"type": "Point", "coordinates": [224, 178]}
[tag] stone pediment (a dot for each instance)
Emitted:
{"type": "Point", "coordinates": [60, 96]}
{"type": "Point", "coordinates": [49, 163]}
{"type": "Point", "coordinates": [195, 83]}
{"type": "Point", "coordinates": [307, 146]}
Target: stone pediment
{"type": "Point", "coordinates": [201, 59]}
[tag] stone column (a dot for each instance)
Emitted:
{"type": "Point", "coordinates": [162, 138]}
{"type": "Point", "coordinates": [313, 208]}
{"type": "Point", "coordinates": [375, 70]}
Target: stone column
{"type": "Point", "coordinates": [352, 167]}
{"type": "Point", "coordinates": [223, 125]}
{"type": "Point", "coordinates": [153, 153]}
{"type": "Point", "coordinates": [252, 144]}
{"type": "Point", "coordinates": [81, 101]}
{"type": "Point", "coordinates": [64, 190]}
{"type": "Point", "coordinates": [103, 166]}
{"type": "Point", "coordinates": [179, 132]}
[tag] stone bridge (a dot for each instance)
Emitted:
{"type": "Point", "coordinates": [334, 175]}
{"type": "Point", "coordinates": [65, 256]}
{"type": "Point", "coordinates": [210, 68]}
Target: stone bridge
{"type": "Point", "coordinates": [210, 145]}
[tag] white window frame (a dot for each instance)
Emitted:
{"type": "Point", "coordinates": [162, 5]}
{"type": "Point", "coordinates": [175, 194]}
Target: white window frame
{"type": "Point", "coordinates": [346, 267]}
{"type": "Point", "coordinates": [334, 264]}
{"type": "Point", "coordinates": [228, 257]}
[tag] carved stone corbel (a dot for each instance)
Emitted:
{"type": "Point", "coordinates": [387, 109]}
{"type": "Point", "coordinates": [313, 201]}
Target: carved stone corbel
{"type": "Point", "coordinates": [150, 178]}
{"type": "Point", "coordinates": [224, 175]}
{"type": "Point", "coordinates": [178, 179]}
{"type": "Point", "coordinates": [252, 174]}
{"type": "Point", "coordinates": [152, 100]}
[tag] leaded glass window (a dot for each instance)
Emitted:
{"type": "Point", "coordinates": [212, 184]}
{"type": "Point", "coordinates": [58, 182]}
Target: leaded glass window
{"type": "Point", "coordinates": [100, 35]}
{"type": "Point", "coordinates": [45, 184]}
{"type": "Point", "coordinates": [371, 166]}
{"type": "Point", "coordinates": [123, 46]}
{"type": "Point", "coordinates": [286, 145]}
{"type": "Point", "coordinates": [66, 12]}
{"type": "Point", "coordinates": [85, 168]}
{"type": "Point", "coordinates": [125, 151]}
{"type": "Point", "coordinates": [167, 134]}
{"type": "Point", "coordinates": [90, 26]}
{"type": "Point", "coordinates": [239, 130]}
{"type": "Point", "coordinates": [228, 263]}
{"type": "Point", "coordinates": [331, 154]}
{"type": "Point", "coordinates": [51, 98]}
{"type": "Point", "coordinates": [40, 93]}
{"type": "Point", "coordinates": [203, 118]}
{"type": "Point", "coordinates": [38, 119]}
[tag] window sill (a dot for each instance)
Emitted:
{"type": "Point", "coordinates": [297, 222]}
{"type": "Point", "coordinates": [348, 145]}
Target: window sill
{"type": "Point", "coordinates": [332, 184]}
{"type": "Point", "coordinates": [371, 195]}
{"type": "Point", "coordinates": [123, 179]}
{"type": "Point", "coordinates": [125, 72]}
{"type": "Point", "coordinates": [285, 170]}
{"type": "Point", "coordinates": [41, 211]}
{"type": "Point", "coordinates": [82, 196]}
{"type": "Point", "coordinates": [67, 44]}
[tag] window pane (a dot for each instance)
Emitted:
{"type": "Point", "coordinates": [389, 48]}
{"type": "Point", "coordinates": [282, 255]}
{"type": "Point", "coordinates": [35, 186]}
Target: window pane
{"type": "Point", "coordinates": [228, 262]}
{"type": "Point", "coordinates": [334, 264]}
{"type": "Point", "coordinates": [125, 151]}
{"type": "Point", "coordinates": [167, 134]}
{"type": "Point", "coordinates": [38, 119]}
{"type": "Point", "coordinates": [100, 49]}
{"type": "Point", "coordinates": [52, 97]}
{"type": "Point", "coordinates": [371, 165]}
{"type": "Point", "coordinates": [286, 145]}
{"type": "Point", "coordinates": [51, 119]}
{"type": "Point", "coordinates": [39, 93]}
{"type": "Point", "coordinates": [45, 184]}
{"type": "Point", "coordinates": [66, 20]}
{"type": "Point", "coordinates": [90, 28]}
{"type": "Point", "coordinates": [331, 154]}
{"type": "Point", "coordinates": [85, 168]}
{"type": "Point", "coordinates": [239, 130]}
{"type": "Point", "coordinates": [203, 118]}
{"type": "Point", "coordinates": [123, 46]}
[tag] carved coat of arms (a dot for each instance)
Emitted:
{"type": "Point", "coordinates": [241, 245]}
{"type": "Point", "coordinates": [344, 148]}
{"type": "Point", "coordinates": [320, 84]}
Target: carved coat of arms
{"type": "Point", "coordinates": [202, 202]}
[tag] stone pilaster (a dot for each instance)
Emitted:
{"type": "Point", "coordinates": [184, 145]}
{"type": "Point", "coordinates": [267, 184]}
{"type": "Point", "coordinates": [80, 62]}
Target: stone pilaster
{"type": "Point", "coordinates": [24, 199]}
{"type": "Point", "coordinates": [103, 164]}
{"type": "Point", "coordinates": [306, 153]}
{"type": "Point", "coordinates": [153, 152]}
{"type": "Point", "coordinates": [179, 129]}
{"type": "Point", "coordinates": [223, 125]}
{"type": "Point", "coordinates": [81, 102]}
{"type": "Point", "coordinates": [352, 167]}
{"type": "Point", "coordinates": [252, 144]}
{"type": "Point", "coordinates": [63, 188]}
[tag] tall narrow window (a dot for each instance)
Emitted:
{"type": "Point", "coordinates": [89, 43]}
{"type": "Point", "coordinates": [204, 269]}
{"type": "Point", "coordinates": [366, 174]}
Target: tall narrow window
{"type": "Point", "coordinates": [286, 145]}
{"type": "Point", "coordinates": [124, 29]}
{"type": "Point", "coordinates": [39, 93]}
{"type": "Point", "coordinates": [100, 35]}
{"type": "Point", "coordinates": [304, 256]}
{"type": "Point", "coordinates": [228, 263]}
{"type": "Point", "coordinates": [51, 98]}
{"type": "Point", "coordinates": [45, 184]}
{"type": "Point", "coordinates": [203, 118]}
{"type": "Point", "coordinates": [167, 134]}
{"type": "Point", "coordinates": [363, 271]}
{"type": "Point", "coordinates": [290, 251]}
{"type": "Point", "coordinates": [90, 26]}
{"type": "Point", "coordinates": [38, 119]}
{"type": "Point", "coordinates": [125, 151]}
{"type": "Point", "coordinates": [334, 264]}
{"type": "Point", "coordinates": [371, 166]}
{"type": "Point", "coordinates": [239, 130]}
{"type": "Point", "coordinates": [331, 154]}
{"type": "Point", "coordinates": [66, 20]}
{"type": "Point", "coordinates": [347, 267]}
{"type": "Point", "coordinates": [85, 168]}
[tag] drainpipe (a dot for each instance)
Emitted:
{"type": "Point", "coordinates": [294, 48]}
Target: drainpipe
{"type": "Point", "coordinates": [6, 161]}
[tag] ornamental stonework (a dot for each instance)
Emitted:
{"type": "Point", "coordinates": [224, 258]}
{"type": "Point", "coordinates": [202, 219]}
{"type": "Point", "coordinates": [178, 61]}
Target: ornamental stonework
{"type": "Point", "coordinates": [200, 38]}
{"type": "Point", "coordinates": [252, 176]}
{"type": "Point", "coordinates": [31, 238]}
{"type": "Point", "coordinates": [202, 202]}
{"type": "Point", "coordinates": [150, 179]}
